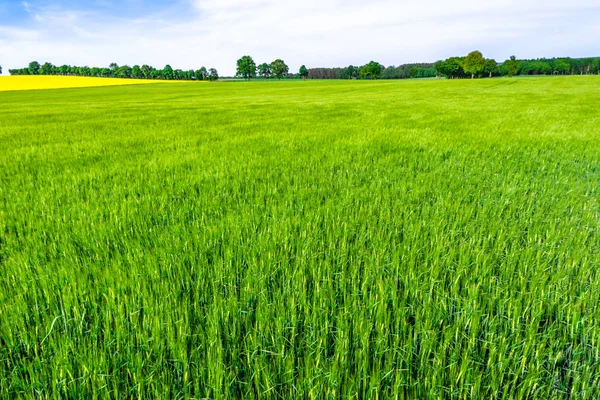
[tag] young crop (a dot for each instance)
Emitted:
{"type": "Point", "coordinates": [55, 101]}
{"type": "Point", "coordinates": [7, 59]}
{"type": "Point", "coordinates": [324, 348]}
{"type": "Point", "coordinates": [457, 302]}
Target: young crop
{"type": "Point", "coordinates": [433, 239]}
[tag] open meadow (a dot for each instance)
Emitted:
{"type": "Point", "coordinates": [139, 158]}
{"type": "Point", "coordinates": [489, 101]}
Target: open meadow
{"type": "Point", "coordinates": [318, 239]}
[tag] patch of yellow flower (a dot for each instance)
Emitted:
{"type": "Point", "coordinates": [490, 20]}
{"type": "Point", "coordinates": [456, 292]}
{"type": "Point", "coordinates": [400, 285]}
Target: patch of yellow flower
{"type": "Point", "coordinates": [28, 82]}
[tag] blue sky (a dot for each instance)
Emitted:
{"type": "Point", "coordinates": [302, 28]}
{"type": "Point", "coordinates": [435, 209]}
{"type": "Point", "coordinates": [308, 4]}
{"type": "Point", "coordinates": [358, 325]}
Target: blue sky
{"type": "Point", "coordinates": [193, 33]}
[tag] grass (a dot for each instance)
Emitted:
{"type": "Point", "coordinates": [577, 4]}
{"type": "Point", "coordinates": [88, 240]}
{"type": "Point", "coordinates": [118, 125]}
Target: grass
{"type": "Point", "coordinates": [418, 239]}
{"type": "Point", "coordinates": [17, 83]}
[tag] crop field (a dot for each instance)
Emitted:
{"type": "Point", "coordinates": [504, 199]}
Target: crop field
{"type": "Point", "coordinates": [14, 83]}
{"type": "Point", "coordinates": [318, 239]}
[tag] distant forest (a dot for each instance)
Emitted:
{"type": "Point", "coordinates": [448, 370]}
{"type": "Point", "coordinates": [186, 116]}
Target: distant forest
{"type": "Point", "coordinates": [116, 71]}
{"type": "Point", "coordinates": [474, 65]}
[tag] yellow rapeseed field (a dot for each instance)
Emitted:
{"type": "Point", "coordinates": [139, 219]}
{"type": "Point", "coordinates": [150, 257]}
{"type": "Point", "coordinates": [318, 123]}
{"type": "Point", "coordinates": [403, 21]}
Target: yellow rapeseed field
{"type": "Point", "coordinates": [8, 83]}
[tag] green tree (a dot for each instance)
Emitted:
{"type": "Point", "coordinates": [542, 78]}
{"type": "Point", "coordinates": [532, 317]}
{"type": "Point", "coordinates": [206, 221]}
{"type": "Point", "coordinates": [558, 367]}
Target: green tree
{"type": "Point", "coordinates": [511, 66]}
{"type": "Point", "coordinates": [439, 68]}
{"type": "Point", "coordinates": [279, 69]}
{"type": "Point", "coordinates": [34, 68]}
{"type": "Point", "coordinates": [146, 71]}
{"type": "Point", "coordinates": [213, 75]}
{"type": "Point", "coordinates": [167, 72]}
{"type": "Point", "coordinates": [123, 72]}
{"type": "Point", "coordinates": [371, 71]}
{"type": "Point", "coordinates": [136, 72]}
{"type": "Point", "coordinates": [491, 67]}
{"type": "Point", "coordinates": [454, 65]}
{"type": "Point", "coordinates": [561, 66]}
{"type": "Point", "coordinates": [303, 72]}
{"type": "Point", "coordinates": [264, 70]}
{"type": "Point", "coordinates": [353, 72]}
{"type": "Point", "coordinates": [202, 74]}
{"type": "Point", "coordinates": [413, 72]}
{"type": "Point", "coordinates": [246, 68]}
{"type": "Point", "coordinates": [0, 69]}
{"type": "Point", "coordinates": [46, 69]}
{"type": "Point", "coordinates": [474, 64]}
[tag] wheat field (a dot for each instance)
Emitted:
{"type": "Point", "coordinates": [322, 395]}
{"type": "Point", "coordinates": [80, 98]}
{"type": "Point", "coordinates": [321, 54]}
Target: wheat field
{"type": "Point", "coordinates": [320, 240]}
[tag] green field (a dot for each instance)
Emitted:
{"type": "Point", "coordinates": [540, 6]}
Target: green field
{"type": "Point", "coordinates": [412, 239]}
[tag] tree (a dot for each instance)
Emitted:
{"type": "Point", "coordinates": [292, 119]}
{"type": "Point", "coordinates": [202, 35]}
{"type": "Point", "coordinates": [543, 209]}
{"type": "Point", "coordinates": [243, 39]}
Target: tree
{"type": "Point", "coordinates": [213, 75]}
{"type": "Point", "coordinates": [246, 68]}
{"type": "Point", "coordinates": [474, 64]}
{"type": "Point", "coordinates": [264, 70]}
{"type": "Point", "coordinates": [279, 68]}
{"type": "Point", "coordinates": [454, 66]}
{"type": "Point", "coordinates": [202, 74]}
{"type": "Point", "coordinates": [123, 72]}
{"type": "Point", "coordinates": [34, 68]}
{"type": "Point", "coordinates": [303, 72]}
{"type": "Point", "coordinates": [167, 72]}
{"type": "Point", "coordinates": [413, 72]}
{"type": "Point", "coordinates": [0, 69]}
{"type": "Point", "coordinates": [561, 66]}
{"type": "Point", "coordinates": [491, 67]}
{"type": "Point", "coordinates": [511, 66]}
{"type": "Point", "coordinates": [371, 71]}
{"type": "Point", "coordinates": [136, 72]}
{"type": "Point", "coordinates": [46, 69]}
{"type": "Point", "coordinates": [146, 71]}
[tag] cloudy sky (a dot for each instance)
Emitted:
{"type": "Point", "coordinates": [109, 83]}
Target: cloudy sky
{"type": "Point", "coordinates": [215, 33]}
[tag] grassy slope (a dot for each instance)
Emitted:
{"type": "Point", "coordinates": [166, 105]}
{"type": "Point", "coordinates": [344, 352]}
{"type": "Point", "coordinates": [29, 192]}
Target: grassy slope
{"type": "Point", "coordinates": [411, 239]}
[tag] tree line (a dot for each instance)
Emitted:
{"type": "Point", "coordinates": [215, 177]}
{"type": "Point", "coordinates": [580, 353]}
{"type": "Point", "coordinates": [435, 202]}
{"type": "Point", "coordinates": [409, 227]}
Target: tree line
{"type": "Point", "coordinates": [248, 69]}
{"type": "Point", "coordinates": [116, 71]}
{"type": "Point", "coordinates": [475, 65]}
{"type": "Point", "coordinates": [278, 69]}
{"type": "Point", "coordinates": [375, 70]}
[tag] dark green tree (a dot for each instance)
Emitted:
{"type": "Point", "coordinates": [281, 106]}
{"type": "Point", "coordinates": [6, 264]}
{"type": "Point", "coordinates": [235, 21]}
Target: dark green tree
{"type": "Point", "coordinates": [246, 68]}
{"type": "Point", "coordinates": [167, 72]}
{"type": "Point", "coordinates": [46, 69]}
{"type": "Point", "coordinates": [202, 74]}
{"type": "Point", "coordinates": [34, 68]}
{"type": "Point", "coordinates": [303, 72]}
{"type": "Point", "coordinates": [413, 72]}
{"type": "Point", "coordinates": [213, 75]}
{"type": "Point", "coordinates": [146, 71]}
{"type": "Point", "coordinates": [136, 72]}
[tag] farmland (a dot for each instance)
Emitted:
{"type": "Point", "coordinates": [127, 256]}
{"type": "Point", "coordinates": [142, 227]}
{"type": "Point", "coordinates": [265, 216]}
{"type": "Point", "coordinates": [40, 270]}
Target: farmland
{"type": "Point", "coordinates": [16, 83]}
{"type": "Point", "coordinates": [341, 239]}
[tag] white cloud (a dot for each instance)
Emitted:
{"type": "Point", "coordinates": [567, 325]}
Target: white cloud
{"type": "Point", "coordinates": [312, 32]}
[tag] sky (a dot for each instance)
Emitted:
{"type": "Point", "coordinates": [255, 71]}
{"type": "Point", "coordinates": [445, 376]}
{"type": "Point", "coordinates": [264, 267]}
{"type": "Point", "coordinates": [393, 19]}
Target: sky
{"type": "Point", "coordinates": [188, 34]}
